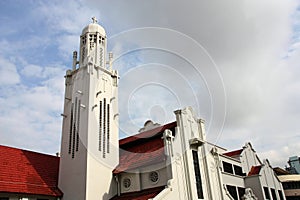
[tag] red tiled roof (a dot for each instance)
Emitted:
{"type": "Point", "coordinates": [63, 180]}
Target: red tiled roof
{"type": "Point", "coordinates": [139, 150]}
{"type": "Point", "coordinates": [28, 172]}
{"type": "Point", "coordinates": [254, 170]}
{"type": "Point", "coordinates": [233, 153]}
{"type": "Point", "coordinates": [147, 134]}
{"type": "Point", "coordinates": [140, 195]}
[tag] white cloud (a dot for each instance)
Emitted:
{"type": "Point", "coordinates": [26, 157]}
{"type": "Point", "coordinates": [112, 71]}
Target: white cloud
{"type": "Point", "coordinates": [8, 73]}
{"type": "Point", "coordinates": [245, 38]}
{"type": "Point", "coordinates": [32, 71]}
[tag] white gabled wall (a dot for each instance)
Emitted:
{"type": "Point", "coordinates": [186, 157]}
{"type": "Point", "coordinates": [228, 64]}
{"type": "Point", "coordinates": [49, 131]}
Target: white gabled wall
{"type": "Point", "coordinates": [190, 135]}
{"type": "Point", "coordinates": [249, 158]}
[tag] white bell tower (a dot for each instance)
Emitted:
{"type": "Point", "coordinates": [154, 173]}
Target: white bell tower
{"type": "Point", "coordinates": [90, 136]}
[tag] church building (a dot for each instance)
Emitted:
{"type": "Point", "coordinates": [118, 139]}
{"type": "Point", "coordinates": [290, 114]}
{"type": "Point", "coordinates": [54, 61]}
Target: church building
{"type": "Point", "coordinates": [173, 161]}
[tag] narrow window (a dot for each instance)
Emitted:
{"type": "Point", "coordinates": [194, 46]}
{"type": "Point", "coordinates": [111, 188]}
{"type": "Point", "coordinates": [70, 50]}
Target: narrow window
{"type": "Point", "coordinates": [83, 54]}
{"type": "Point", "coordinates": [78, 123]}
{"type": "Point", "coordinates": [274, 197]}
{"type": "Point", "coordinates": [74, 129]}
{"type": "Point", "coordinates": [108, 126]}
{"type": "Point", "coordinates": [227, 167]}
{"type": "Point", "coordinates": [197, 175]}
{"type": "Point", "coordinates": [104, 125]}
{"type": "Point", "coordinates": [232, 191]}
{"type": "Point", "coordinates": [71, 129]}
{"type": "Point", "coordinates": [285, 186]}
{"type": "Point", "coordinates": [241, 192]}
{"type": "Point", "coordinates": [280, 195]}
{"type": "Point", "coordinates": [238, 170]}
{"type": "Point", "coordinates": [100, 124]}
{"type": "Point", "coordinates": [267, 193]}
{"type": "Point", "coordinates": [101, 57]}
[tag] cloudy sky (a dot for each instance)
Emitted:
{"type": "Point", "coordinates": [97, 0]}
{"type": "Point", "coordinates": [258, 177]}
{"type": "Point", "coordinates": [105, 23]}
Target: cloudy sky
{"type": "Point", "coordinates": [235, 62]}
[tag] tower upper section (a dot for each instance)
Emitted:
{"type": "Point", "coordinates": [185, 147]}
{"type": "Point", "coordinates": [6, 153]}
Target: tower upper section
{"type": "Point", "coordinates": [93, 45]}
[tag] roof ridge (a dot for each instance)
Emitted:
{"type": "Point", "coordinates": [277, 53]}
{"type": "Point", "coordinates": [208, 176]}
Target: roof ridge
{"type": "Point", "coordinates": [146, 134]}
{"type": "Point", "coordinates": [30, 151]}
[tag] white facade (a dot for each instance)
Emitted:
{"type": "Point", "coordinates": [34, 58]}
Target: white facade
{"type": "Point", "coordinates": [89, 149]}
{"type": "Point", "coordinates": [192, 168]}
{"type": "Point", "coordinates": [222, 175]}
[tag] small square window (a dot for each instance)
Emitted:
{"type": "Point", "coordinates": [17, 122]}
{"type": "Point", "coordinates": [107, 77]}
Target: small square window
{"type": "Point", "coordinates": [227, 167]}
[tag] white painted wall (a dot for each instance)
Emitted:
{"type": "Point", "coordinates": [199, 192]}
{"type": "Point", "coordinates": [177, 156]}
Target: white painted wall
{"type": "Point", "coordinates": [88, 174]}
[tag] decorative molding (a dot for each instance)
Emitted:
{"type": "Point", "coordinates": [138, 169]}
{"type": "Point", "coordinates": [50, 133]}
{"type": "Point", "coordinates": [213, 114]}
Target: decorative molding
{"type": "Point", "coordinates": [196, 142]}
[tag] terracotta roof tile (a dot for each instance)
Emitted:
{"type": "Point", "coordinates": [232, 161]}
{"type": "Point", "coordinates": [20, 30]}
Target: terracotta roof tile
{"type": "Point", "coordinates": [139, 150]}
{"type": "Point", "coordinates": [140, 195]}
{"type": "Point", "coordinates": [28, 172]}
{"type": "Point", "coordinates": [147, 134]}
{"type": "Point", "coordinates": [234, 153]}
{"type": "Point", "coordinates": [254, 170]}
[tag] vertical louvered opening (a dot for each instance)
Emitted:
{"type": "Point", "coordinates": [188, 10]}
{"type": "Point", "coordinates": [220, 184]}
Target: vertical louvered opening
{"type": "Point", "coordinates": [74, 128]}
{"type": "Point", "coordinates": [100, 125]}
{"type": "Point", "coordinates": [71, 129]}
{"type": "Point", "coordinates": [104, 126]}
{"type": "Point", "coordinates": [78, 123]}
{"type": "Point", "coordinates": [108, 126]}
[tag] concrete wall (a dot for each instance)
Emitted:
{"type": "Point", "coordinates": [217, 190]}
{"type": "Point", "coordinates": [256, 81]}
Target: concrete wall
{"type": "Point", "coordinates": [254, 183]}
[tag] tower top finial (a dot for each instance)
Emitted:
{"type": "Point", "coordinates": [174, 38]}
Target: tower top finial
{"type": "Point", "coordinates": [94, 20]}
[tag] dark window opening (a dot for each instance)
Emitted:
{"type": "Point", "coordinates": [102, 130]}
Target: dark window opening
{"type": "Point", "coordinates": [267, 193]}
{"type": "Point", "coordinates": [241, 192]}
{"type": "Point", "coordinates": [280, 195]}
{"type": "Point", "coordinates": [227, 167]}
{"type": "Point", "coordinates": [274, 197]}
{"type": "Point", "coordinates": [291, 185]}
{"type": "Point", "coordinates": [197, 175]}
{"type": "Point", "coordinates": [232, 191]}
{"type": "Point", "coordinates": [238, 170]}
